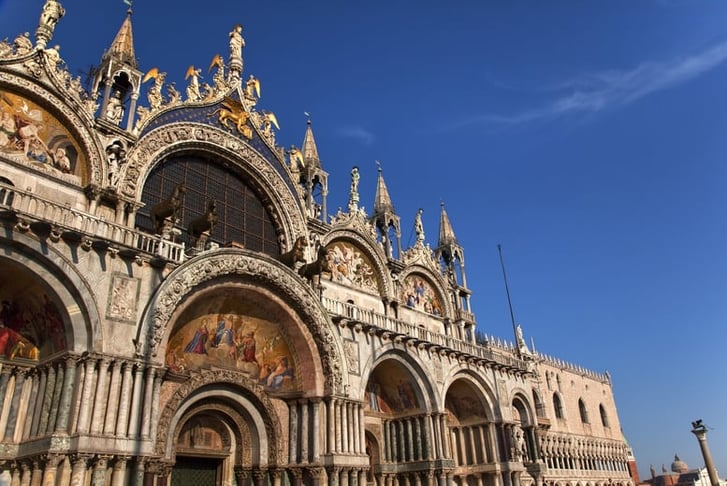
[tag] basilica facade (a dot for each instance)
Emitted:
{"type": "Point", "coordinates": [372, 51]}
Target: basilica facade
{"type": "Point", "coordinates": [179, 307]}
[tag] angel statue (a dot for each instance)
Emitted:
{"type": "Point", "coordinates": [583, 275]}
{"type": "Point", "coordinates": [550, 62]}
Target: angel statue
{"type": "Point", "coordinates": [154, 94]}
{"type": "Point", "coordinates": [193, 93]}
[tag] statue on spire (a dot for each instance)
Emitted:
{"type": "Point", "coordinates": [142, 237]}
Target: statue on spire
{"type": "Point", "coordinates": [49, 17]}
{"type": "Point", "coordinates": [419, 226]}
{"type": "Point", "coordinates": [353, 197]}
{"type": "Point", "coordinates": [236, 44]}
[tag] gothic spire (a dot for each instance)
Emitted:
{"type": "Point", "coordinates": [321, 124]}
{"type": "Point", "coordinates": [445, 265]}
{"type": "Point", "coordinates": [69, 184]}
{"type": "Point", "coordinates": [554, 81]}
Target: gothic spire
{"type": "Point", "coordinates": [446, 233]}
{"type": "Point", "coordinates": [385, 217]}
{"type": "Point", "coordinates": [117, 79]}
{"type": "Point", "coordinates": [382, 200]}
{"type": "Point", "coordinates": [122, 48]}
{"type": "Point", "coordinates": [313, 178]}
{"type": "Point", "coordinates": [310, 151]}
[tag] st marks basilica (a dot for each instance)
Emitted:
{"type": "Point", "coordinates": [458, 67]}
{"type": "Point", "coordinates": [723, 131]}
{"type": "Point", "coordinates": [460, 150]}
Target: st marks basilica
{"type": "Point", "coordinates": [179, 306]}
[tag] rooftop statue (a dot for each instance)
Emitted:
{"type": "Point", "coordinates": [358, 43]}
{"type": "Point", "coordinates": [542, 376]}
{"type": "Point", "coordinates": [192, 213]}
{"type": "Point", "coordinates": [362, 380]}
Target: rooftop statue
{"type": "Point", "coordinates": [49, 17]}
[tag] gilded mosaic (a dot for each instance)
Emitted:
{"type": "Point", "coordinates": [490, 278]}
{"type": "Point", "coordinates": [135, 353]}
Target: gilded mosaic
{"type": "Point", "coordinates": [235, 339]}
{"type": "Point", "coordinates": [32, 135]}
{"type": "Point", "coordinates": [417, 293]}
{"type": "Point", "coordinates": [349, 266]}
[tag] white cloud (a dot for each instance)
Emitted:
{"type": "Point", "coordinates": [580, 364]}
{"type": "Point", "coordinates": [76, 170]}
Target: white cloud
{"type": "Point", "coordinates": [594, 92]}
{"type": "Point", "coordinates": [357, 133]}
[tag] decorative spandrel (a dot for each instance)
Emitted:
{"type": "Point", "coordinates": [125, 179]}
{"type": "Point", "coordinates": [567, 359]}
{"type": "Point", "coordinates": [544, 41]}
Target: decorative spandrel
{"type": "Point", "coordinates": [235, 333]}
{"type": "Point", "coordinates": [418, 293]}
{"type": "Point", "coordinates": [31, 135]}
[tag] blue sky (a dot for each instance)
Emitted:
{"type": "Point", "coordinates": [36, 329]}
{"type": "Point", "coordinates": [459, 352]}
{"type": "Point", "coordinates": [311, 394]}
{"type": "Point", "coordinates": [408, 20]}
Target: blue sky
{"type": "Point", "coordinates": [588, 138]}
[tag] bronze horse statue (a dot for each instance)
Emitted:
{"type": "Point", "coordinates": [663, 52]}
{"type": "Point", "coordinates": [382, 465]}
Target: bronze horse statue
{"type": "Point", "coordinates": [168, 208]}
{"type": "Point", "coordinates": [296, 254]}
{"type": "Point", "coordinates": [320, 265]}
{"type": "Point", "coordinates": [205, 222]}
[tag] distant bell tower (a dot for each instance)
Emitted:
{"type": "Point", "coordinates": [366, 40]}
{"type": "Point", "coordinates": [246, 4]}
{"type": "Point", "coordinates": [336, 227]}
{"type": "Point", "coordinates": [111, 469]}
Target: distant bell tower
{"type": "Point", "coordinates": [451, 256]}
{"type": "Point", "coordinates": [385, 218]}
{"type": "Point", "coordinates": [313, 178]}
{"type": "Point", "coordinates": [117, 80]}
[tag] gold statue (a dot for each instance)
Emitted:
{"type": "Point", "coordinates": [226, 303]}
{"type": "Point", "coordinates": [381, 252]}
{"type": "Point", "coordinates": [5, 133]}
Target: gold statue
{"type": "Point", "coordinates": [232, 110]}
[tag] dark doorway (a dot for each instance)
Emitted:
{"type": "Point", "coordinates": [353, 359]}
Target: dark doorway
{"type": "Point", "coordinates": [196, 471]}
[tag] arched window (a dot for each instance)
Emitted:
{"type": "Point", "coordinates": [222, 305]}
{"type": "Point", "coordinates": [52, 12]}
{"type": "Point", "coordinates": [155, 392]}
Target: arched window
{"type": "Point", "coordinates": [557, 379]}
{"type": "Point", "coordinates": [583, 411]}
{"type": "Point", "coordinates": [604, 417]}
{"type": "Point", "coordinates": [558, 406]}
{"type": "Point", "coordinates": [539, 407]}
{"type": "Point", "coordinates": [242, 210]}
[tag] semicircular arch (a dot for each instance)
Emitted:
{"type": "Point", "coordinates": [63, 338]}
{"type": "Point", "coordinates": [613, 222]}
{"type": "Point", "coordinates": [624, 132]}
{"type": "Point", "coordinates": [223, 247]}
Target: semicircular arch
{"type": "Point", "coordinates": [58, 124]}
{"type": "Point", "coordinates": [241, 395]}
{"type": "Point", "coordinates": [178, 138]}
{"type": "Point", "coordinates": [483, 389]}
{"type": "Point", "coordinates": [372, 254]}
{"type": "Point", "coordinates": [245, 268]}
{"type": "Point", "coordinates": [422, 388]}
{"type": "Point", "coordinates": [74, 298]}
{"type": "Point", "coordinates": [412, 286]}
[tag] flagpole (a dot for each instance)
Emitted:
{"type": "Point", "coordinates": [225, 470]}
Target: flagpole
{"type": "Point", "coordinates": [507, 290]}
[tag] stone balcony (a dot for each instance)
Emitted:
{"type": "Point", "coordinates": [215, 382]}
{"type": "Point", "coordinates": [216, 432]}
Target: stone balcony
{"type": "Point", "coordinates": [364, 320]}
{"type": "Point", "coordinates": [58, 221]}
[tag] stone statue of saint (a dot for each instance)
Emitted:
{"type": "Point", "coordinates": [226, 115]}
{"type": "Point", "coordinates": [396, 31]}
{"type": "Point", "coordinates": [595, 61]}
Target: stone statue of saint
{"type": "Point", "coordinates": [419, 226]}
{"type": "Point", "coordinates": [52, 13]}
{"type": "Point", "coordinates": [236, 42]}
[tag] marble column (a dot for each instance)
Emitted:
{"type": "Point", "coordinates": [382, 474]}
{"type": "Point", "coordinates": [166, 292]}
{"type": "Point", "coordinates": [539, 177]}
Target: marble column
{"type": "Point", "coordinates": [330, 408]}
{"type": "Point", "coordinates": [15, 404]}
{"type": "Point", "coordinates": [51, 469]}
{"type": "Point", "coordinates": [84, 413]}
{"type": "Point", "coordinates": [445, 436]}
{"type": "Point", "coordinates": [118, 475]}
{"type": "Point", "coordinates": [362, 429]}
{"type": "Point", "coordinates": [147, 408]}
{"type": "Point", "coordinates": [293, 432]}
{"type": "Point", "coordinates": [101, 401]}
{"type": "Point", "coordinates": [316, 430]}
{"type": "Point", "coordinates": [135, 411]}
{"type": "Point", "coordinates": [36, 476]}
{"type": "Point", "coordinates": [48, 379]}
{"type": "Point", "coordinates": [345, 430]}
{"type": "Point", "coordinates": [355, 429]}
{"type": "Point", "coordinates": [337, 421]}
{"type": "Point", "coordinates": [409, 450]}
{"type": "Point", "coordinates": [64, 406]}
{"type": "Point", "coordinates": [276, 475]}
{"type": "Point", "coordinates": [304, 431]}
{"type": "Point", "coordinates": [473, 446]}
{"type": "Point", "coordinates": [427, 436]}
{"type": "Point", "coordinates": [57, 392]}
{"type": "Point", "coordinates": [123, 417]}
{"type": "Point", "coordinates": [113, 398]}
{"type": "Point", "coordinates": [98, 477]}
{"type": "Point", "coordinates": [155, 404]}
{"type": "Point", "coordinates": [79, 467]}
{"type": "Point", "coordinates": [31, 423]}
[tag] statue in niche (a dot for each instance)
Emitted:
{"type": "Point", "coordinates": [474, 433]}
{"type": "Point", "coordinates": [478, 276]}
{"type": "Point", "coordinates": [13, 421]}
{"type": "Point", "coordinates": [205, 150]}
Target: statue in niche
{"type": "Point", "coordinates": [115, 156]}
{"type": "Point", "coordinates": [115, 108]}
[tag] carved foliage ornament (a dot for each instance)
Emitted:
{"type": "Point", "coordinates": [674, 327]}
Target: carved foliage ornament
{"type": "Point", "coordinates": [256, 268]}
